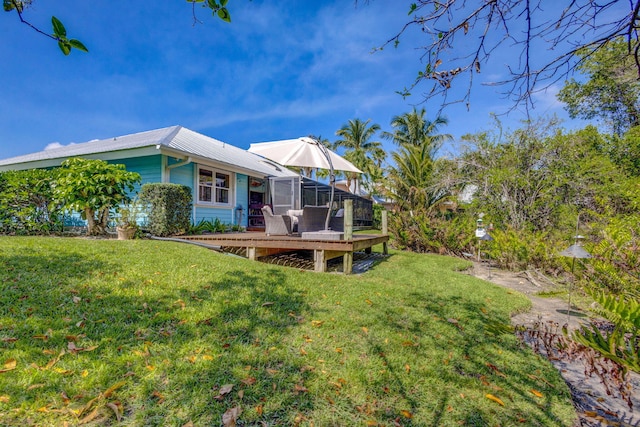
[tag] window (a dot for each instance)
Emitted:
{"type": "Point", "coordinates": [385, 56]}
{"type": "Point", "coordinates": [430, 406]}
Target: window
{"type": "Point", "coordinates": [214, 191]}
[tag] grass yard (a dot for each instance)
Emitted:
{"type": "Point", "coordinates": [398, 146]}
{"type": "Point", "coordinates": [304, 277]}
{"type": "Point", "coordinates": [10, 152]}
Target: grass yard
{"type": "Point", "coordinates": [105, 332]}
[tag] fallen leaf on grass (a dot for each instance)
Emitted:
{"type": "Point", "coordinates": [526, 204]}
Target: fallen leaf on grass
{"type": "Point", "coordinates": [4, 398]}
{"type": "Point", "coordinates": [267, 304]}
{"type": "Point", "coordinates": [224, 390]}
{"type": "Point", "coordinates": [9, 365]}
{"type": "Point", "coordinates": [35, 386]}
{"type": "Point", "coordinates": [407, 368]}
{"type": "Point", "coordinates": [108, 392]}
{"type": "Point", "coordinates": [406, 414]}
{"type": "Point", "coordinates": [10, 339]}
{"type": "Point", "coordinates": [300, 389]}
{"type": "Point", "coordinates": [230, 417]}
{"type": "Point", "coordinates": [496, 370]}
{"type": "Point", "coordinates": [248, 381]}
{"type": "Point", "coordinates": [536, 393]}
{"type": "Point", "coordinates": [40, 337]}
{"type": "Point", "coordinates": [158, 396]}
{"type": "Point", "coordinates": [116, 410]}
{"type": "Point", "coordinates": [317, 323]}
{"type": "Point", "coordinates": [495, 399]}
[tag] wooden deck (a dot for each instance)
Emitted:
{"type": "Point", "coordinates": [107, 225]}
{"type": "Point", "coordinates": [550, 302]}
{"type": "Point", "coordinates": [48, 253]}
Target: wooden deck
{"type": "Point", "coordinates": [258, 244]}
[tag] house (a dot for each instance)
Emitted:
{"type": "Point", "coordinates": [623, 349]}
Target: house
{"type": "Point", "coordinates": [227, 182]}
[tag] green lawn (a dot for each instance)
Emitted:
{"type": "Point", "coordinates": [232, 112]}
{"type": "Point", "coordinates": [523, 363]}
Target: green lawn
{"type": "Point", "coordinates": [109, 332]}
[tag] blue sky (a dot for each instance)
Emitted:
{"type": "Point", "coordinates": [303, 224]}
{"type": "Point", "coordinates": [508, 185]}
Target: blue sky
{"type": "Point", "coordinates": [280, 70]}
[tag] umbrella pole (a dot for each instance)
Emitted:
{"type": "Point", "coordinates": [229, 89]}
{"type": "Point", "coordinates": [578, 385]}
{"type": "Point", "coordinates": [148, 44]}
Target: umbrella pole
{"type": "Point", "coordinates": [332, 181]}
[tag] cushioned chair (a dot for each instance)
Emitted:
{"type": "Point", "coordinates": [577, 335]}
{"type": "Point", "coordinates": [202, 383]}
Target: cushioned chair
{"type": "Point", "coordinates": [336, 223]}
{"type": "Point", "coordinates": [312, 219]}
{"type": "Point", "coordinates": [276, 225]}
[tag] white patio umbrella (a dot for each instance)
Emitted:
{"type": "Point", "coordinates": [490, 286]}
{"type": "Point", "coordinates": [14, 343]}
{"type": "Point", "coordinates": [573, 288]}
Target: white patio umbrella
{"type": "Point", "coordinates": [305, 152]}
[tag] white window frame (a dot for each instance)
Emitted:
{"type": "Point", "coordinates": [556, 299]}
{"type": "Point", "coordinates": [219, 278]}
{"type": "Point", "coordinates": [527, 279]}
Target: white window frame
{"type": "Point", "coordinates": [214, 187]}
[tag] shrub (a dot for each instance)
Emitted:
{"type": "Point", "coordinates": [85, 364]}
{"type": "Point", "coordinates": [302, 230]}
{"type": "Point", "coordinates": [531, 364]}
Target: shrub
{"type": "Point", "coordinates": [170, 208]}
{"type": "Point", "coordinates": [26, 203]}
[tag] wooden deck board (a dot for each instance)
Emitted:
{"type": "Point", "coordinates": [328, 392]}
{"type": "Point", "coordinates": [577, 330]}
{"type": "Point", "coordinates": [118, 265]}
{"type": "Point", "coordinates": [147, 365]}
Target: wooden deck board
{"type": "Point", "coordinates": [259, 244]}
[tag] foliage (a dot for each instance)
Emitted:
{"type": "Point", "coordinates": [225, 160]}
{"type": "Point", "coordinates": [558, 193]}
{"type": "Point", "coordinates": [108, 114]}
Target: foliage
{"type": "Point", "coordinates": [26, 203]}
{"type": "Point", "coordinates": [93, 188]}
{"type": "Point", "coordinates": [626, 151]}
{"type": "Point", "coordinates": [377, 216]}
{"type": "Point", "coordinates": [520, 250]}
{"type": "Point", "coordinates": [622, 345]}
{"type": "Point", "coordinates": [129, 214]}
{"type": "Point", "coordinates": [144, 332]}
{"type": "Point", "coordinates": [217, 7]}
{"type": "Point", "coordinates": [170, 208]}
{"type": "Point", "coordinates": [365, 154]}
{"type": "Point", "coordinates": [611, 91]}
{"type": "Point", "coordinates": [208, 226]}
{"type": "Point", "coordinates": [59, 31]}
{"type": "Point", "coordinates": [615, 266]}
{"type": "Point", "coordinates": [414, 128]}
{"type": "Point", "coordinates": [422, 231]}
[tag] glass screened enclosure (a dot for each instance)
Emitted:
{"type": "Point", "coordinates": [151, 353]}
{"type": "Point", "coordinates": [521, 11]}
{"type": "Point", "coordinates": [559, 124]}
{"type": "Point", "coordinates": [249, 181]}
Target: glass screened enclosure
{"type": "Point", "coordinates": [297, 192]}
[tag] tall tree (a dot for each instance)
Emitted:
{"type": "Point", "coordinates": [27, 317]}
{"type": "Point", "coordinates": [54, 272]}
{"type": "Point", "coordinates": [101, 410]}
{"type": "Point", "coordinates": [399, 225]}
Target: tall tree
{"type": "Point", "coordinates": [414, 128]}
{"type": "Point", "coordinates": [611, 91]}
{"type": "Point", "coordinates": [356, 138]}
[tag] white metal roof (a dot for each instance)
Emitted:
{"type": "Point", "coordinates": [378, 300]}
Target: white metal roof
{"type": "Point", "coordinates": [174, 140]}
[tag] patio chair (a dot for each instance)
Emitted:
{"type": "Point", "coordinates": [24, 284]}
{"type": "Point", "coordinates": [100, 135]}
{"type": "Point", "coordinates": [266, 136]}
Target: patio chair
{"type": "Point", "coordinates": [276, 225]}
{"type": "Point", "coordinates": [336, 223]}
{"type": "Point", "coordinates": [312, 219]}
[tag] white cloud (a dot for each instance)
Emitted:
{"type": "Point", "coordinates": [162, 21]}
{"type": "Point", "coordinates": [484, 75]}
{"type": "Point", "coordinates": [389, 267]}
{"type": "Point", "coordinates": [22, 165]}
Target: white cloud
{"type": "Point", "coordinates": [54, 145]}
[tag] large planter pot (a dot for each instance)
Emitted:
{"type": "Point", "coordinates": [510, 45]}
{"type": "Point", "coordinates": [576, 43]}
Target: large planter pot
{"type": "Point", "coordinates": [126, 233]}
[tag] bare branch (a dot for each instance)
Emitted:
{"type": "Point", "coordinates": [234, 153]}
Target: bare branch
{"type": "Point", "coordinates": [464, 34]}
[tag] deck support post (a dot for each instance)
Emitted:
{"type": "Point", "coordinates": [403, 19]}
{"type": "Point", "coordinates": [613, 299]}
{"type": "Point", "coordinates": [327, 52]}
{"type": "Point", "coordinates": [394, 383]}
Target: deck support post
{"type": "Point", "coordinates": [319, 261]}
{"type": "Point", "coordinates": [347, 263]}
{"type": "Point", "coordinates": [348, 220]}
{"type": "Point", "coordinates": [251, 253]}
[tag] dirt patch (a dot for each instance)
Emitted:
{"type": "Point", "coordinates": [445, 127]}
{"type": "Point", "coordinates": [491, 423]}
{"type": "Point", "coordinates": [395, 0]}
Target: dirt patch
{"type": "Point", "coordinates": [594, 406]}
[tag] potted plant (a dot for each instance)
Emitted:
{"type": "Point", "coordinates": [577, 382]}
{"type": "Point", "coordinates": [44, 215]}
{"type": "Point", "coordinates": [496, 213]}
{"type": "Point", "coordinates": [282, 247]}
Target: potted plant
{"type": "Point", "coordinates": [127, 220]}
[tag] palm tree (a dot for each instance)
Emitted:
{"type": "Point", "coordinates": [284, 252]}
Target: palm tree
{"type": "Point", "coordinates": [414, 129]}
{"type": "Point", "coordinates": [360, 150]}
{"type": "Point", "coordinates": [411, 181]}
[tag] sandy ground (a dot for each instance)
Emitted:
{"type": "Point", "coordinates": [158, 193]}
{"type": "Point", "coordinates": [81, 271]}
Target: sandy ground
{"type": "Point", "coordinates": [594, 406]}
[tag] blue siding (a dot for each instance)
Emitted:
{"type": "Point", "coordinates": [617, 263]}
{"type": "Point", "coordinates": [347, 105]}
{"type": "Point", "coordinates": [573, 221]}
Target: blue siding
{"type": "Point", "coordinates": [183, 175]}
{"type": "Point", "coordinates": [225, 215]}
{"type": "Point", "coordinates": [242, 197]}
{"type": "Point", "coordinates": [149, 167]}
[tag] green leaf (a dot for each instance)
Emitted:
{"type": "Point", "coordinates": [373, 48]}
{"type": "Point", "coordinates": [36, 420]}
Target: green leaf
{"type": "Point", "coordinates": [413, 8]}
{"type": "Point", "coordinates": [58, 28]}
{"type": "Point", "coordinates": [223, 3]}
{"type": "Point", "coordinates": [223, 13]}
{"type": "Point", "coordinates": [65, 47]}
{"type": "Point", "coordinates": [78, 45]}
{"type": "Point", "coordinates": [213, 4]}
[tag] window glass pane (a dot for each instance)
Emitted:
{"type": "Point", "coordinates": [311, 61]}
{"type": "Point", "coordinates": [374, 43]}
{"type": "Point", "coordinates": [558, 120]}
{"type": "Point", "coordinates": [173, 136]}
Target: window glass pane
{"type": "Point", "coordinates": [222, 180]}
{"type": "Point", "coordinates": [222, 196]}
{"type": "Point", "coordinates": [204, 194]}
{"type": "Point", "coordinates": [206, 177]}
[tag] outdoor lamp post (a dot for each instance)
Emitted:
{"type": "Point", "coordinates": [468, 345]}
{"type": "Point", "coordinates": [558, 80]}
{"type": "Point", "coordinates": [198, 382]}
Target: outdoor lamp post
{"type": "Point", "coordinates": [574, 251]}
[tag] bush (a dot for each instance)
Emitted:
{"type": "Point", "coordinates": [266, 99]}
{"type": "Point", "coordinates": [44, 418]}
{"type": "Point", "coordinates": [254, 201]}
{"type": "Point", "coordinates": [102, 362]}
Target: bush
{"type": "Point", "coordinates": [170, 208]}
{"type": "Point", "coordinates": [26, 203]}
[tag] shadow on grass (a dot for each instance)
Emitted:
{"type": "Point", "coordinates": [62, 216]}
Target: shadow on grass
{"type": "Point", "coordinates": [173, 347]}
{"type": "Point", "coordinates": [492, 364]}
